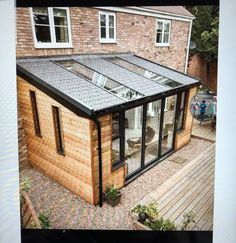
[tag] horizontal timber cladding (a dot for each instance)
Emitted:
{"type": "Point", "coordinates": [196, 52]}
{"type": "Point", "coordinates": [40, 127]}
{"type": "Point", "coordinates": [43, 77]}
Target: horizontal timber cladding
{"type": "Point", "coordinates": [74, 169]}
{"type": "Point", "coordinates": [183, 136]}
{"type": "Point", "coordinates": [109, 177]}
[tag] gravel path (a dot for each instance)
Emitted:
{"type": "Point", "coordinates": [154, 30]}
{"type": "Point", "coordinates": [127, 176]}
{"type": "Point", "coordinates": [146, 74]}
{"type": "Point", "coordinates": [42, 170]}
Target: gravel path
{"type": "Point", "coordinates": [69, 211]}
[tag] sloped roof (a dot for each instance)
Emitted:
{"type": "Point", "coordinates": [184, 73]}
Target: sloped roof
{"type": "Point", "coordinates": [179, 10]}
{"type": "Point", "coordinates": [89, 93]}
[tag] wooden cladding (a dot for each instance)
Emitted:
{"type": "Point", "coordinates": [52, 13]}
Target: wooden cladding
{"type": "Point", "coordinates": [58, 130]}
{"type": "Point", "coordinates": [35, 113]}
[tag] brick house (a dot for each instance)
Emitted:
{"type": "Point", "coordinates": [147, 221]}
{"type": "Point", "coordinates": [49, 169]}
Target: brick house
{"type": "Point", "coordinates": [102, 92]}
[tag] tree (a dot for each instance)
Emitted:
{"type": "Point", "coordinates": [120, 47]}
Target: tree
{"type": "Point", "coordinates": [205, 31]}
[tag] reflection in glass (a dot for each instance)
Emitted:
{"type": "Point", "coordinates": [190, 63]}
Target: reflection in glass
{"type": "Point", "coordinates": [42, 28]}
{"type": "Point", "coordinates": [133, 138]}
{"type": "Point", "coordinates": [144, 72]}
{"type": "Point", "coordinates": [168, 124]}
{"type": "Point", "coordinates": [115, 139]}
{"type": "Point", "coordinates": [62, 34]}
{"type": "Point", "coordinates": [152, 130]}
{"type": "Point", "coordinates": [100, 80]}
{"type": "Point", "coordinates": [180, 120]}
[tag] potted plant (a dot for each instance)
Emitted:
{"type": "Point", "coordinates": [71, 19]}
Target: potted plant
{"type": "Point", "coordinates": [113, 196]}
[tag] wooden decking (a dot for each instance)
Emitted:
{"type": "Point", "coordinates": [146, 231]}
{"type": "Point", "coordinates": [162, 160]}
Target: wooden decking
{"type": "Point", "coordinates": [203, 131]}
{"type": "Point", "coordinates": [191, 188]}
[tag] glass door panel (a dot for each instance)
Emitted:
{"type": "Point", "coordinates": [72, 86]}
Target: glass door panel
{"type": "Point", "coordinates": [168, 124]}
{"type": "Point", "coordinates": [133, 138]}
{"type": "Point", "coordinates": [152, 131]}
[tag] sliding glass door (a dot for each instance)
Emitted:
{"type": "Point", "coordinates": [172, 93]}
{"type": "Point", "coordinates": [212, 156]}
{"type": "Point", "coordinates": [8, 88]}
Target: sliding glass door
{"type": "Point", "coordinates": [148, 133]}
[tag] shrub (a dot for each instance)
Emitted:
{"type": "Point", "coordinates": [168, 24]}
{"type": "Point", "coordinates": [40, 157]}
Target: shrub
{"type": "Point", "coordinates": [160, 224]}
{"type": "Point", "coordinates": [151, 210]}
{"type": "Point", "coordinates": [188, 218]}
{"type": "Point", "coordinates": [25, 184]}
{"type": "Point", "coordinates": [112, 193]}
{"type": "Point", "coordinates": [44, 220]}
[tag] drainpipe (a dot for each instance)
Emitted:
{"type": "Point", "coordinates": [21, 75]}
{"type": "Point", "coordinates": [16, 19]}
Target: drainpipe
{"type": "Point", "coordinates": [99, 159]}
{"type": "Point", "coordinates": [187, 53]}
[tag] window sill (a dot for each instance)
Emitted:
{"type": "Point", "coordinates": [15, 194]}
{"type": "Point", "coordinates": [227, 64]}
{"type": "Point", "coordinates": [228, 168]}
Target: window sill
{"type": "Point", "coordinates": [162, 45]}
{"type": "Point", "coordinates": [108, 42]}
{"type": "Point", "coordinates": [53, 46]}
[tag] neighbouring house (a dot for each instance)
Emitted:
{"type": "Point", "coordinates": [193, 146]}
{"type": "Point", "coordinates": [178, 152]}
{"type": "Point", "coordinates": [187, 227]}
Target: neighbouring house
{"type": "Point", "coordinates": [102, 91]}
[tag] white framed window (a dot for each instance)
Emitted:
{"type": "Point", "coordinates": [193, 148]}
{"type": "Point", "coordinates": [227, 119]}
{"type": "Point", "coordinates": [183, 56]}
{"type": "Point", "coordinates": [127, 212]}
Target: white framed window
{"type": "Point", "coordinates": [107, 27]}
{"type": "Point", "coordinates": [163, 32]}
{"type": "Point", "coordinates": [51, 27]}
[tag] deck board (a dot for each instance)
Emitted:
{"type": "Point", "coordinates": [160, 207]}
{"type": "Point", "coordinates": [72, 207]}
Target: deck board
{"type": "Point", "coordinates": [203, 131]}
{"type": "Point", "coordinates": [191, 188]}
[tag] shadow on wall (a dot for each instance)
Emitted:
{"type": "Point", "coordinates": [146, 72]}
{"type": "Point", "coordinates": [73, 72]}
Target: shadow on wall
{"type": "Point", "coordinates": [200, 68]}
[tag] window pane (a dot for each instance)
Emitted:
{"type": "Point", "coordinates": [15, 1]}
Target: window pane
{"type": "Point", "coordinates": [180, 120]}
{"type": "Point", "coordinates": [159, 26]}
{"type": "Point", "coordinates": [60, 16]}
{"type": "Point", "coordinates": [35, 113]}
{"type": "Point", "coordinates": [159, 38]}
{"type": "Point", "coordinates": [111, 33]}
{"type": "Point", "coordinates": [103, 32]}
{"type": "Point", "coordinates": [111, 21]}
{"type": "Point", "coordinates": [115, 139]}
{"type": "Point", "coordinates": [62, 34]}
{"type": "Point", "coordinates": [133, 138]}
{"type": "Point", "coordinates": [152, 130]}
{"type": "Point", "coordinates": [166, 27]}
{"type": "Point", "coordinates": [166, 38]}
{"type": "Point", "coordinates": [182, 100]}
{"type": "Point", "coordinates": [42, 33]}
{"type": "Point", "coordinates": [58, 130]}
{"type": "Point", "coordinates": [168, 124]}
{"type": "Point", "coordinates": [40, 16]}
{"type": "Point", "coordinates": [102, 19]}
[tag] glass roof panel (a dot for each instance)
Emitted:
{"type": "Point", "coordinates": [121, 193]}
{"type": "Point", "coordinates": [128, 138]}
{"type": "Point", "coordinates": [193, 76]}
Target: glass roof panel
{"type": "Point", "coordinates": [143, 72]}
{"type": "Point", "coordinates": [100, 80]}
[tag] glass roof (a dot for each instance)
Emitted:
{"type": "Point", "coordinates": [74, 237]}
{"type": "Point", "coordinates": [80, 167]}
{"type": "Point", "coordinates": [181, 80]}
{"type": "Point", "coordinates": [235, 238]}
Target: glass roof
{"type": "Point", "coordinates": [100, 80]}
{"type": "Point", "coordinates": [144, 72]}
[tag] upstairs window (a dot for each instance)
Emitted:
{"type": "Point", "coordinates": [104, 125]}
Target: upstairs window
{"type": "Point", "coordinates": [107, 27]}
{"type": "Point", "coordinates": [163, 32]}
{"type": "Point", "coordinates": [51, 27]}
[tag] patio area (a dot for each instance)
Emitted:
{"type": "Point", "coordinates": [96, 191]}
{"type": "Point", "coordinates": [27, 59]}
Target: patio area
{"type": "Point", "coordinates": [69, 211]}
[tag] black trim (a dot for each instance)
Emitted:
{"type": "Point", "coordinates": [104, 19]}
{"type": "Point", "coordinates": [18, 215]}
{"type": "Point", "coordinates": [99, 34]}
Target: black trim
{"type": "Point", "coordinates": [100, 162]}
{"type": "Point", "coordinates": [55, 94]}
{"type": "Point", "coordinates": [163, 102]}
{"type": "Point", "coordinates": [144, 122]}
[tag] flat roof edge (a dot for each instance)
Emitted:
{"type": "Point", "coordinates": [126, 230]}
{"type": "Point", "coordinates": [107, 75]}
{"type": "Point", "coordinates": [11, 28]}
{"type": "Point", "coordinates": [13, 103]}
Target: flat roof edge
{"type": "Point", "coordinates": [60, 97]}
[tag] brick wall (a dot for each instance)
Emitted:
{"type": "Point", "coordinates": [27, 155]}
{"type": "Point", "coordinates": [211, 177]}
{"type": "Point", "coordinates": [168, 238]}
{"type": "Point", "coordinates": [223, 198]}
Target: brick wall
{"type": "Point", "coordinates": [135, 33]}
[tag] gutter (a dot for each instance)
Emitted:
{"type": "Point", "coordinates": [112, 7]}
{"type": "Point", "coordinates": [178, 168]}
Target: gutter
{"type": "Point", "coordinates": [99, 160]}
{"type": "Point", "coordinates": [187, 53]}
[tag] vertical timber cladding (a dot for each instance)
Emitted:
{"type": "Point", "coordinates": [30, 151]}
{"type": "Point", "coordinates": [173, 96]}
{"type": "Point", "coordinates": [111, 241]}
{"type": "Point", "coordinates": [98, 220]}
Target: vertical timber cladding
{"type": "Point", "coordinates": [74, 169]}
{"type": "Point", "coordinates": [109, 177]}
{"type": "Point", "coordinates": [183, 136]}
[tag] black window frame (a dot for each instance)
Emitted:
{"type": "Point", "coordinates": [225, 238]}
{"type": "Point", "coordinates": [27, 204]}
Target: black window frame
{"type": "Point", "coordinates": [58, 132]}
{"type": "Point", "coordinates": [35, 113]}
